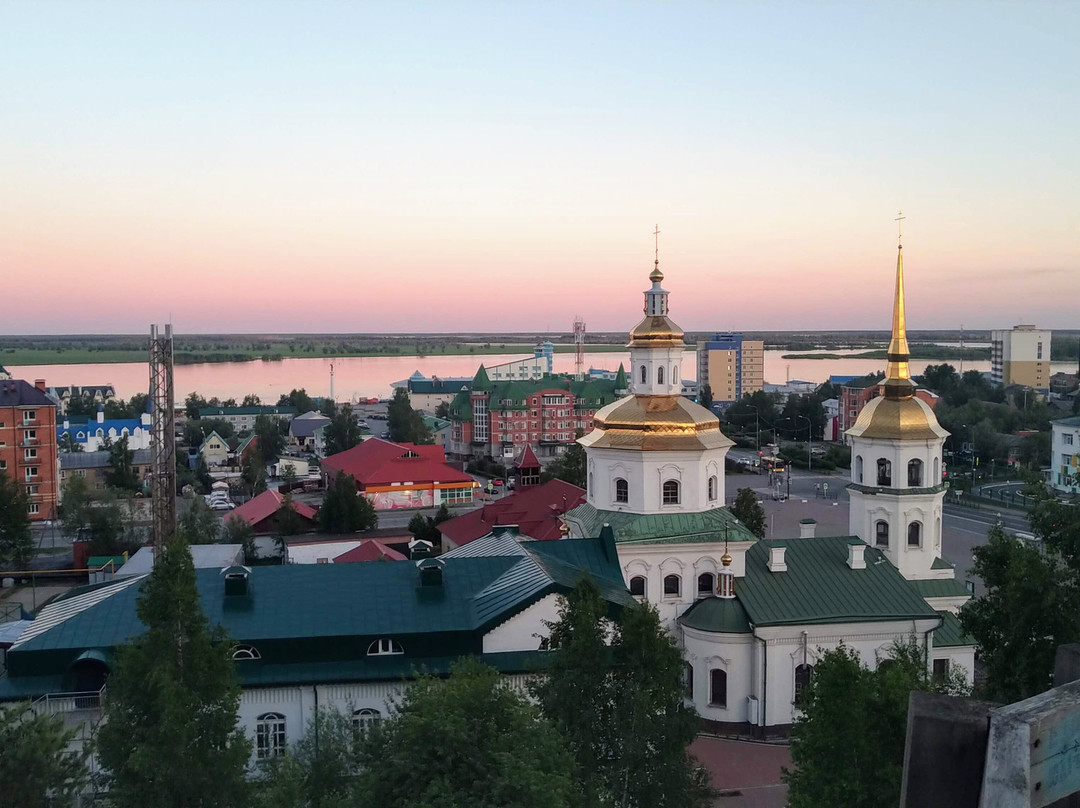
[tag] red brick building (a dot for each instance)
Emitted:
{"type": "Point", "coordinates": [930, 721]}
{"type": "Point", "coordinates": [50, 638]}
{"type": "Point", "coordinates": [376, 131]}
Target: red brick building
{"type": "Point", "coordinates": [28, 444]}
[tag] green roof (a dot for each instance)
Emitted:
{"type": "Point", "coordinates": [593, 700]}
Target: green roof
{"type": "Point", "coordinates": [620, 379]}
{"type": "Point", "coordinates": [663, 528]}
{"type": "Point", "coordinates": [480, 380]}
{"type": "Point", "coordinates": [435, 424]}
{"type": "Point", "coordinates": [941, 564]}
{"type": "Point", "coordinates": [940, 588]}
{"type": "Point", "coordinates": [950, 633]}
{"type": "Point", "coordinates": [722, 615]}
{"type": "Point", "coordinates": [97, 562]}
{"type": "Point", "coordinates": [819, 587]}
{"type": "Point", "coordinates": [1072, 421]}
{"type": "Point", "coordinates": [514, 394]}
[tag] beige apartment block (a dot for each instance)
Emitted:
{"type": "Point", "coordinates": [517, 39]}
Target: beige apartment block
{"type": "Point", "coordinates": [1021, 355]}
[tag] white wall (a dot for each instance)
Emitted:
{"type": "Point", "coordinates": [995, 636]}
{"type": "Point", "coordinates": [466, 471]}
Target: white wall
{"type": "Point", "coordinates": [524, 629]}
{"type": "Point", "coordinates": [646, 472]}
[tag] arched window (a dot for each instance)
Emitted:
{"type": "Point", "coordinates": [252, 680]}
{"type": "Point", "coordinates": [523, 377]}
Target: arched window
{"type": "Point", "coordinates": [671, 492]}
{"type": "Point", "coordinates": [591, 488]}
{"type": "Point", "coordinates": [124, 432]}
{"type": "Point", "coordinates": [100, 433]}
{"type": "Point", "coordinates": [674, 374]}
{"type": "Point", "coordinates": [885, 664]}
{"type": "Point", "coordinates": [688, 680]}
{"type": "Point", "coordinates": [706, 584]}
{"type": "Point", "coordinates": [914, 534]}
{"type": "Point", "coordinates": [914, 474]}
{"type": "Point", "coordinates": [712, 488]}
{"type": "Point", "coordinates": [718, 688]}
{"type": "Point", "coordinates": [644, 375]}
{"type": "Point", "coordinates": [937, 471]}
{"type": "Point", "coordinates": [269, 736]}
{"type": "Point", "coordinates": [622, 490]}
{"type": "Point", "coordinates": [672, 586]}
{"type": "Point", "coordinates": [884, 472]}
{"type": "Point", "coordinates": [637, 586]}
{"type": "Point", "coordinates": [660, 375]}
{"type": "Point", "coordinates": [881, 534]}
{"type": "Point", "coordinates": [385, 647]}
{"type": "Point", "coordinates": [364, 719]}
{"type": "Point", "coordinates": [245, 652]}
{"type": "Point", "coordinates": [803, 674]}
{"type": "Point", "coordinates": [858, 468]}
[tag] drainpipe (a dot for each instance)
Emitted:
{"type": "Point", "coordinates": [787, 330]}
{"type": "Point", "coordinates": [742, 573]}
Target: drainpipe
{"type": "Point", "coordinates": [764, 681]}
{"type": "Point", "coordinates": [315, 690]}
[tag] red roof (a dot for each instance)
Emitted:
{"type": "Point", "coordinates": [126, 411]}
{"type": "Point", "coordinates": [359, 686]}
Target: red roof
{"type": "Point", "coordinates": [528, 459]}
{"type": "Point", "coordinates": [370, 550]}
{"type": "Point", "coordinates": [266, 504]}
{"type": "Point", "coordinates": [534, 510]}
{"type": "Point", "coordinates": [377, 462]}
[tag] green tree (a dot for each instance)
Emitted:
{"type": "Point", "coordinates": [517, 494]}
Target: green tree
{"type": "Point", "coordinates": [68, 444]}
{"type": "Point", "coordinates": [199, 524]}
{"type": "Point", "coordinates": [705, 396]}
{"type": "Point", "coordinates": [298, 399]}
{"type": "Point", "coordinates": [749, 511]}
{"type": "Point", "coordinates": [289, 522]}
{"type": "Point", "coordinates": [569, 466]}
{"type": "Point", "coordinates": [193, 403]}
{"type": "Point", "coordinates": [108, 531]}
{"type": "Point", "coordinates": [405, 424]}
{"type": "Point", "coordinates": [317, 772]}
{"type": "Point", "coordinates": [237, 531]}
{"type": "Point", "coordinates": [16, 541]}
{"type": "Point", "coordinates": [847, 744]}
{"type": "Point", "coordinates": [268, 436]}
{"type": "Point", "coordinates": [75, 502]}
{"type": "Point", "coordinates": [344, 510]}
{"type": "Point", "coordinates": [342, 433]}
{"type": "Point", "coordinates": [253, 473]}
{"type": "Point", "coordinates": [442, 409]}
{"type": "Point", "coordinates": [494, 748]}
{"type": "Point", "coordinates": [121, 474]}
{"type": "Point", "coordinates": [251, 400]}
{"type": "Point", "coordinates": [170, 735]}
{"type": "Point", "coordinates": [36, 766]}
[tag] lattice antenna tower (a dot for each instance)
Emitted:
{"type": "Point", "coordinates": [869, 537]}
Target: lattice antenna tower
{"type": "Point", "coordinates": [579, 348]}
{"type": "Point", "coordinates": [162, 436]}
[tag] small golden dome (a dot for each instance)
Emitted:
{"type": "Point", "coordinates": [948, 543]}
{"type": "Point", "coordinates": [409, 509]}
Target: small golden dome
{"type": "Point", "coordinates": [725, 559]}
{"type": "Point", "coordinates": [895, 419]}
{"type": "Point", "coordinates": [656, 275]}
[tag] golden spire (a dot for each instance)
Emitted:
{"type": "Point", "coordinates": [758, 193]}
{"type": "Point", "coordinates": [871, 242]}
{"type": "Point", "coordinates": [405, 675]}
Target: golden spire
{"type": "Point", "coordinates": [898, 384]}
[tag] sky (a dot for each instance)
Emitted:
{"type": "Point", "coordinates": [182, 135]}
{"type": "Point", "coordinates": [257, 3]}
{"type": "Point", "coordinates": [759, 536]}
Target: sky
{"type": "Point", "coordinates": [401, 167]}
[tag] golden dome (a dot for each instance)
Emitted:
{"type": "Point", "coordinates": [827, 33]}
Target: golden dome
{"type": "Point", "coordinates": [656, 275]}
{"type": "Point", "coordinates": [656, 423]}
{"type": "Point", "coordinates": [895, 419]}
{"type": "Point", "coordinates": [725, 559]}
{"type": "Point", "coordinates": [656, 331]}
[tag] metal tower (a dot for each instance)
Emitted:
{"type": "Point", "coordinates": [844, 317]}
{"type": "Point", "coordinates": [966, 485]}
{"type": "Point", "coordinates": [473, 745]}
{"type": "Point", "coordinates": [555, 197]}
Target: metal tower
{"type": "Point", "coordinates": [162, 436]}
{"type": "Point", "coordinates": [579, 348]}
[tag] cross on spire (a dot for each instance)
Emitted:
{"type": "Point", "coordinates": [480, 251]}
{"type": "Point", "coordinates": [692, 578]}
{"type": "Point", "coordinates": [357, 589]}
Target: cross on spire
{"type": "Point", "coordinates": [900, 227]}
{"type": "Point", "coordinates": [656, 236]}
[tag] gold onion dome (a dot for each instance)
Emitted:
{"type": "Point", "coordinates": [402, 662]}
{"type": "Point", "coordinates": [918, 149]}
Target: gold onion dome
{"type": "Point", "coordinates": [656, 275]}
{"type": "Point", "coordinates": [725, 559]}
{"type": "Point", "coordinates": [656, 423]}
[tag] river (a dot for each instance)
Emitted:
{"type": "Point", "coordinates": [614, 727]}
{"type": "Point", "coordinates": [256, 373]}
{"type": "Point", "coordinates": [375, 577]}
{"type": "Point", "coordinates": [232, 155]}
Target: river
{"type": "Point", "coordinates": [364, 377]}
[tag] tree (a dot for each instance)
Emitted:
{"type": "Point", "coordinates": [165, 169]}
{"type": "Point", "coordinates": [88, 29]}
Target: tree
{"type": "Point", "coordinates": [36, 766]}
{"type": "Point", "coordinates": [288, 520]}
{"type": "Point", "coordinates": [442, 409]}
{"type": "Point", "coordinates": [251, 400]}
{"type": "Point", "coordinates": [847, 744]}
{"type": "Point", "coordinates": [748, 510]}
{"type": "Point", "coordinates": [237, 531]}
{"type": "Point", "coordinates": [620, 707]}
{"type": "Point", "coordinates": [253, 473]}
{"type": "Point", "coordinates": [298, 399]}
{"type": "Point", "coordinates": [342, 433]}
{"type": "Point", "coordinates": [69, 444]}
{"type": "Point", "coordinates": [406, 425]}
{"type": "Point", "coordinates": [570, 465]}
{"type": "Point", "coordinates": [494, 748]}
{"type": "Point", "coordinates": [121, 474]}
{"type": "Point", "coordinates": [288, 476]}
{"type": "Point", "coordinates": [199, 524]}
{"type": "Point", "coordinates": [193, 403]}
{"type": "Point", "coordinates": [268, 436]}
{"type": "Point", "coordinates": [16, 541]}
{"type": "Point", "coordinates": [705, 396]}
{"type": "Point", "coordinates": [107, 530]}
{"type": "Point", "coordinates": [76, 501]}
{"type": "Point", "coordinates": [317, 771]}
{"type": "Point", "coordinates": [170, 735]}
{"type": "Point", "coordinates": [344, 510]}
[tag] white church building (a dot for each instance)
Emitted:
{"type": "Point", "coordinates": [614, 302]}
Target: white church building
{"type": "Point", "coordinates": [753, 616]}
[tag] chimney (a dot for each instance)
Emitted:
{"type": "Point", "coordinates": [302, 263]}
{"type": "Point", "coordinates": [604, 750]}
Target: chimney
{"type": "Point", "coordinates": [431, 571]}
{"type": "Point", "coordinates": [101, 413]}
{"type": "Point", "coordinates": [855, 559]}
{"type": "Point", "coordinates": [40, 384]}
{"type": "Point", "coordinates": [807, 528]}
{"type": "Point", "coordinates": [776, 558]}
{"type": "Point", "coordinates": [418, 548]}
{"type": "Point", "coordinates": [236, 581]}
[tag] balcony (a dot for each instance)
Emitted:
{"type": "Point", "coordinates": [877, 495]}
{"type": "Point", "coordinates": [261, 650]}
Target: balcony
{"type": "Point", "coordinates": [72, 706]}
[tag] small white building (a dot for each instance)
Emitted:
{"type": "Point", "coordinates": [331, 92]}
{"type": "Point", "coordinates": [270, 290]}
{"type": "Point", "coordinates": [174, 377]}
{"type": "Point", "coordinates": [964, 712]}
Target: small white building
{"type": "Point", "coordinates": [1065, 454]}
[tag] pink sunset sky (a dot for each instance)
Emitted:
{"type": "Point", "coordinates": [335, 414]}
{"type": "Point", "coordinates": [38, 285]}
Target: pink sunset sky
{"type": "Point", "coordinates": [252, 167]}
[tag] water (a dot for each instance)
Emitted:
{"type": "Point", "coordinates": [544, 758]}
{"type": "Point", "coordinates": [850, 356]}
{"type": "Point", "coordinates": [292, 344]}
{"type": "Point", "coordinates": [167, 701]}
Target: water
{"type": "Point", "coordinates": [365, 377]}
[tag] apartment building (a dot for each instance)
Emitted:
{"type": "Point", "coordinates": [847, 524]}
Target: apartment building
{"type": "Point", "coordinates": [1065, 454]}
{"type": "Point", "coordinates": [1021, 355]}
{"type": "Point", "coordinates": [28, 444]}
{"type": "Point", "coordinates": [732, 366]}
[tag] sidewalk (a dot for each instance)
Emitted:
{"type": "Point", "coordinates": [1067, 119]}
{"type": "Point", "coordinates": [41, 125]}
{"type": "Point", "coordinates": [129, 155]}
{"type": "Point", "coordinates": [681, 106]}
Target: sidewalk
{"type": "Point", "coordinates": [746, 773]}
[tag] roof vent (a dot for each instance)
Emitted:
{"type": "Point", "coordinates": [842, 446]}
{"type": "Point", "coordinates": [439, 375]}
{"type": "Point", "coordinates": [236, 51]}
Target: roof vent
{"type": "Point", "coordinates": [776, 558]}
{"type": "Point", "coordinates": [236, 581]}
{"type": "Point", "coordinates": [418, 548]}
{"type": "Point", "coordinates": [431, 571]}
{"type": "Point", "coordinates": [855, 558]}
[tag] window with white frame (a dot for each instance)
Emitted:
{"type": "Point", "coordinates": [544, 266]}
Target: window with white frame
{"type": "Point", "coordinates": [384, 647]}
{"type": "Point", "coordinates": [33, 508]}
{"type": "Point", "coordinates": [914, 534]}
{"type": "Point", "coordinates": [29, 454]}
{"type": "Point", "coordinates": [29, 416]}
{"type": "Point", "coordinates": [712, 488]}
{"type": "Point", "coordinates": [884, 472]}
{"type": "Point", "coordinates": [245, 652]}
{"type": "Point", "coordinates": [1067, 439]}
{"type": "Point", "coordinates": [672, 586]}
{"type": "Point", "coordinates": [858, 468]}
{"type": "Point", "coordinates": [365, 718]}
{"type": "Point", "coordinates": [670, 492]}
{"type": "Point", "coordinates": [706, 584]}
{"type": "Point", "coordinates": [622, 490]}
{"type": "Point", "coordinates": [29, 434]}
{"type": "Point", "coordinates": [638, 586]}
{"type": "Point", "coordinates": [269, 736]}
{"type": "Point", "coordinates": [881, 533]}
{"type": "Point", "coordinates": [718, 687]}
{"type": "Point", "coordinates": [803, 674]}
{"type": "Point", "coordinates": [914, 474]}
{"type": "Point", "coordinates": [31, 472]}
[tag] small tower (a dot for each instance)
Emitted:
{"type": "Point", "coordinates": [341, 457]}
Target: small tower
{"type": "Point", "coordinates": [896, 490]}
{"type": "Point", "coordinates": [725, 579]}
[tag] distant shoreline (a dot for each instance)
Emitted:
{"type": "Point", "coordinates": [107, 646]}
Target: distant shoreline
{"type": "Point", "coordinates": [917, 352]}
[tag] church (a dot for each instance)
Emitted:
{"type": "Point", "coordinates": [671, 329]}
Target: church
{"type": "Point", "coordinates": [752, 616]}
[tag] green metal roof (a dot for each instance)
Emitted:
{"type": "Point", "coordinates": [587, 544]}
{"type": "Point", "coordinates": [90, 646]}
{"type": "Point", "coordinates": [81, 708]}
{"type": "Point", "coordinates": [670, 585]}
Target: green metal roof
{"type": "Point", "coordinates": [722, 615]}
{"type": "Point", "coordinates": [941, 564]}
{"type": "Point", "coordinates": [514, 394]}
{"type": "Point", "coordinates": [664, 528]}
{"type": "Point", "coordinates": [1071, 421]}
{"type": "Point", "coordinates": [950, 633]}
{"type": "Point", "coordinates": [940, 588]}
{"type": "Point", "coordinates": [480, 380]}
{"type": "Point", "coordinates": [819, 587]}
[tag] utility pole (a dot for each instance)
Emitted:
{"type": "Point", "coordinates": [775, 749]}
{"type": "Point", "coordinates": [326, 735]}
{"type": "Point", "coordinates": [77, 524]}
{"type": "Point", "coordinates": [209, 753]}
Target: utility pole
{"type": "Point", "coordinates": [162, 437]}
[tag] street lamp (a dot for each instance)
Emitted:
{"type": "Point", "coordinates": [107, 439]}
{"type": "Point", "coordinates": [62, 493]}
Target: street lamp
{"type": "Point", "coordinates": [809, 442]}
{"type": "Point", "coordinates": [973, 458]}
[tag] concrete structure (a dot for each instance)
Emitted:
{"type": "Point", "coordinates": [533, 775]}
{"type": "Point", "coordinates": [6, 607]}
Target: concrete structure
{"type": "Point", "coordinates": [732, 366]}
{"type": "Point", "coordinates": [1065, 454]}
{"type": "Point", "coordinates": [92, 434]}
{"type": "Point", "coordinates": [242, 419]}
{"type": "Point", "coordinates": [28, 452]}
{"type": "Point", "coordinates": [95, 467]}
{"type": "Point", "coordinates": [1021, 355]}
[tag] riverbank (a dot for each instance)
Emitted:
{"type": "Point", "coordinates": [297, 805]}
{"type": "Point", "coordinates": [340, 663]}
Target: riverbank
{"type": "Point", "coordinates": [917, 352]}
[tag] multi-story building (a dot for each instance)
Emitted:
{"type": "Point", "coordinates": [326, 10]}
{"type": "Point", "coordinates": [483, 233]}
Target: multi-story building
{"type": "Point", "coordinates": [498, 420]}
{"type": "Point", "coordinates": [90, 435]}
{"type": "Point", "coordinates": [732, 367]}
{"type": "Point", "coordinates": [243, 418]}
{"type": "Point", "coordinates": [1065, 454]}
{"type": "Point", "coordinates": [428, 393]}
{"type": "Point", "coordinates": [28, 444]}
{"type": "Point", "coordinates": [95, 467]}
{"type": "Point", "coordinates": [1021, 355]}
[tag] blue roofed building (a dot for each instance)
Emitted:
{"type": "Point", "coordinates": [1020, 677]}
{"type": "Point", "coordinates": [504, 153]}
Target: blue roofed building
{"type": "Point", "coordinates": [92, 434]}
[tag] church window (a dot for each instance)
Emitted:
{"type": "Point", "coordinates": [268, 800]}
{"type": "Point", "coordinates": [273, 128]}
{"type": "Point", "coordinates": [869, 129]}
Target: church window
{"type": "Point", "coordinates": [269, 736]}
{"type": "Point", "coordinates": [622, 490]}
{"type": "Point", "coordinates": [672, 586]}
{"type": "Point", "coordinates": [858, 468]}
{"type": "Point", "coordinates": [914, 534]}
{"type": "Point", "coordinates": [803, 673]}
{"type": "Point", "coordinates": [591, 488]}
{"type": "Point", "coordinates": [674, 374]}
{"type": "Point", "coordinates": [941, 670]}
{"type": "Point", "coordinates": [718, 688]}
{"type": "Point", "coordinates": [706, 584]}
{"type": "Point", "coordinates": [688, 680]}
{"type": "Point", "coordinates": [884, 472]}
{"type": "Point", "coordinates": [644, 375]}
{"type": "Point", "coordinates": [881, 534]}
{"type": "Point", "coordinates": [364, 719]}
{"type": "Point", "coordinates": [637, 586]}
{"type": "Point", "coordinates": [914, 474]}
{"type": "Point", "coordinates": [671, 492]}
{"type": "Point", "coordinates": [712, 488]}
{"type": "Point", "coordinates": [937, 471]}
{"type": "Point", "coordinates": [660, 375]}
